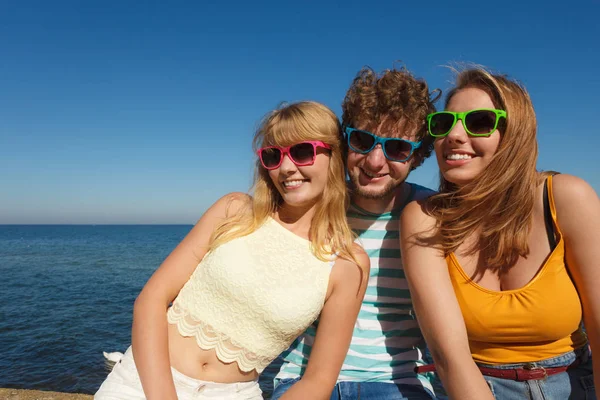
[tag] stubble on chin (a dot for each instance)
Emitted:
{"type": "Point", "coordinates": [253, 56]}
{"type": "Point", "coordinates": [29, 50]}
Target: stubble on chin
{"type": "Point", "coordinates": [376, 194]}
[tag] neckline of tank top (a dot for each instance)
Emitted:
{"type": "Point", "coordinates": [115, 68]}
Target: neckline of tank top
{"type": "Point", "coordinates": [299, 238]}
{"type": "Point", "coordinates": [540, 272]}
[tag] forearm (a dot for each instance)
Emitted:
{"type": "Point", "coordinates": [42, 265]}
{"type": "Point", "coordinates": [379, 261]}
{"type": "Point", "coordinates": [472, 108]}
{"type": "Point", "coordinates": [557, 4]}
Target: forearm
{"type": "Point", "coordinates": [463, 381]}
{"type": "Point", "coordinates": [151, 350]}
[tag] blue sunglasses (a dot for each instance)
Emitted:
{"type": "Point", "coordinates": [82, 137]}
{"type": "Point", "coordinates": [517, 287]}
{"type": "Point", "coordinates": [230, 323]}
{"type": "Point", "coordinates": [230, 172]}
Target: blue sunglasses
{"type": "Point", "coordinates": [394, 149]}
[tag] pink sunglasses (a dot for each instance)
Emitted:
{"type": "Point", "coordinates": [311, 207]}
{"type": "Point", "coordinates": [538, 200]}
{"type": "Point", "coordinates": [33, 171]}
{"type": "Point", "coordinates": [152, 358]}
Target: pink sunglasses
{"type": "Point", "coordinates": [301, 154]}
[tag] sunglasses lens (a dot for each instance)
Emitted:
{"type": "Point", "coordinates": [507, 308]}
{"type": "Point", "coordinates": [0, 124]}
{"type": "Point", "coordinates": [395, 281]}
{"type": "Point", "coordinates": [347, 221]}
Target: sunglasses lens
{"type": "Point", "coordinates": [270, 157]}
{"type": "Point", "coordinates": [302, 153]}
{"type": "Point", "coordinates": [361, 142]}
{"type": "Point", "coordinates": [398, 150]}
{"type": "Point", "coordinates": [441, 124]}
{"type": "Point", "coordinates": [480, 122]}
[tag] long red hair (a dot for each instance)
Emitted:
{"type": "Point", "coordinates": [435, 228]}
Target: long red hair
{"type": "Point", "coordinates": [497, 206]}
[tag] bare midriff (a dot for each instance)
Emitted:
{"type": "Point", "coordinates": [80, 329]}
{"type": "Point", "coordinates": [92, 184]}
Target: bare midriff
{"type": "Point", "coordinates": [189, 359]}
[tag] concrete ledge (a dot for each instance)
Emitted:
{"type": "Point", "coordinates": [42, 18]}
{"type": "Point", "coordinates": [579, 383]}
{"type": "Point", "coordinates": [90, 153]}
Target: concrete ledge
{"type": "Point", "coordinates": [21, 394]}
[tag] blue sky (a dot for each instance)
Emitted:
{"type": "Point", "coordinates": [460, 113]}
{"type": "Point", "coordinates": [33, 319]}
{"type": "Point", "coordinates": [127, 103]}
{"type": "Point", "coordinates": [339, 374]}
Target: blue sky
{"type": "Point", "coordinates": [143, 112]}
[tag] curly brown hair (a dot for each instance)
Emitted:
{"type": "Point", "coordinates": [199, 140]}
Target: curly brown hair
{"type": "Point", "coordinates": [394, 99]}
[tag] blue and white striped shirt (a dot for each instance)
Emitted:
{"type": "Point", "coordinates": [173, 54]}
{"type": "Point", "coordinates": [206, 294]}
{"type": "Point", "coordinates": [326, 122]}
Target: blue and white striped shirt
{"type": "Point", "coordinates": [387, 342]}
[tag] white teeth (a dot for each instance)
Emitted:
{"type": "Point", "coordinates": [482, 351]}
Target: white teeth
{"type": "Point", "coordinates": [455, 156]}
{"type": "Point", "coordinates": [372, 175]}
{"type": "Point", "coordinates": [292, 183]}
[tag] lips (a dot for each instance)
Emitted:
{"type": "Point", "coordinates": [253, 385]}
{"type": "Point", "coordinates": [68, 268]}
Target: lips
{"type": "Point", "coordinates": [456, 153]}
{"type": "Point", "coordinates": [458, 156]}
{"type": "Point", "coordinates": [293, 183]}
{"type": "Point", "coordinates": [372, 174]}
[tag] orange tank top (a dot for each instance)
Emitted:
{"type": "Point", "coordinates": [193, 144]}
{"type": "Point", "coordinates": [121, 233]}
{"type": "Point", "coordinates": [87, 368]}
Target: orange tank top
{"type": "Point", "coordinates": [532, 323]}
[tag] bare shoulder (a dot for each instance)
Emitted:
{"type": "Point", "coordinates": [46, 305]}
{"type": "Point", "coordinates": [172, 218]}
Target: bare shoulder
{"type": "Point", "coordinates": [230, 204]}
{"type": "Point", "coordinates": [219, 211]}
{"type": "Point", "coordinates": [346, 272]}
{"type": "Point", "coordinates": [364, 262]}
{"type": "Point", "coordinates": [360, 255]}
{"type": "Point", "coordinates": [414, 216]}
{"type": "Point", "coordinates": [236, 201]}
{"type": "Point", "coordinates": [568, 189]}
{"type": "Point", "coordinates": [577, 204]}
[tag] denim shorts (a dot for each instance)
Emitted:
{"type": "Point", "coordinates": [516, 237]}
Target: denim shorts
{"type": "Point", "coordinates": [123, 383]}
{"type": "Point", "coordinates": [365, 391]}
{"type": "Point", "coordinates": [574, 384]}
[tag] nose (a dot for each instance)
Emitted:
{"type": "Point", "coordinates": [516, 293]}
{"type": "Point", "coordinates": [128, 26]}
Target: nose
{"type": "Point", "coordinates": [375, 158]}
{"type": "Point", "coordinates": [287, 166]}
{"type": "Point", "coordinates": [457, 133]}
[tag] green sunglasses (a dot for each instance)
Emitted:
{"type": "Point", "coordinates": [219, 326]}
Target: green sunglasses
{"type": "Point", "coordinates": [479, 122]}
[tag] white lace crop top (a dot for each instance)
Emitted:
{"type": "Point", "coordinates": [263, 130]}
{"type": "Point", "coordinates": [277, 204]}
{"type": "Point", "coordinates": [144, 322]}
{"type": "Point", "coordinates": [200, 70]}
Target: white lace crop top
{"type": "Point", "coordinates": [251, 297]}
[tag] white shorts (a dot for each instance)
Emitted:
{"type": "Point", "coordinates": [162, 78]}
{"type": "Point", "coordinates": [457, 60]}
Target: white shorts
{"type": "Point", "coordinates": [123, 383]}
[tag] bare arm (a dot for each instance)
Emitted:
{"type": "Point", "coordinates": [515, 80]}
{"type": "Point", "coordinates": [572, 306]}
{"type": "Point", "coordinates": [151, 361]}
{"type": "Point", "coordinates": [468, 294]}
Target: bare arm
{"type": "Point", "coordinates": [578, 214]}
{"type": "Point", "coordinates": [437, 309]}
{"type": "Point", "coordinates": [149, 332]}
{"type": "Point", "coordinates": [348, 284]}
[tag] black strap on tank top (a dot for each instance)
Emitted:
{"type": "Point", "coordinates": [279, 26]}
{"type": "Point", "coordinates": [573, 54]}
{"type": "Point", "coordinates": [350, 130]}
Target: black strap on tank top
{"type": "Point", "coordinates": [548, 218]}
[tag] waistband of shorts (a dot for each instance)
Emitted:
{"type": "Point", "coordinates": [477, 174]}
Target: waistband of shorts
{"type": "Point", "coordinates": [184, 380]}
{"type": "Point", "coordinates": [208, 385]}
{"type": "Point", "coordinates": [529, 370]}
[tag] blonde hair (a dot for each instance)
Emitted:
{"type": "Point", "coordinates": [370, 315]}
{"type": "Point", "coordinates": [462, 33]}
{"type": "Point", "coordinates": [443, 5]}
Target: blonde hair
{"type": "Point", "coordinates": [329, 232]}
{"type": "Point", "coordinates": [497, 206]}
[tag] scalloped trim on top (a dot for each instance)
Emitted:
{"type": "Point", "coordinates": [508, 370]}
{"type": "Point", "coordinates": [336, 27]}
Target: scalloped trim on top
{"type": "Point", "coordinates": [207, 339]}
